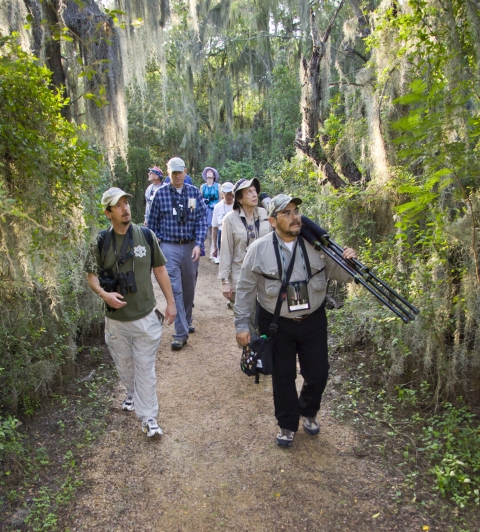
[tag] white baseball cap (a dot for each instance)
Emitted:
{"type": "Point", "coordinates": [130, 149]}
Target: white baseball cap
{"type": "Point", "coordinates": [227, 187]}
{"type": "Point", "coordinates": [175, 164]}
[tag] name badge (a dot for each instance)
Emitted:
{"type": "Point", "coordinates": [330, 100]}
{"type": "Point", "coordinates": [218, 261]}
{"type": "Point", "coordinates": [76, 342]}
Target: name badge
{"type": "Point", "coordinates": [297, 296]}
{"type": "Point", "coordinates": [174, 212]}
{"type": "Point", "coordinates": [192, 203]}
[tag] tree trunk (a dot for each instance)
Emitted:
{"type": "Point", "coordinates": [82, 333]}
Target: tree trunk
{"type": "Point", "coordinates": [53, 54]}
{"type": "Point", "coordinates": [359, 13]}
{"type": "Point", "coordinates": [308, 140]}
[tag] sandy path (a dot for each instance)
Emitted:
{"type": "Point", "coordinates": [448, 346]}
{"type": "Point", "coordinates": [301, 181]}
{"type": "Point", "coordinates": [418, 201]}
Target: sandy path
{"type": "Point", "coordinates": [217, 466]}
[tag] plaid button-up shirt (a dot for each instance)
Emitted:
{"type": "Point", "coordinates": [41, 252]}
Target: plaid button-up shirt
{"type": "Point", "coordinates": [163, 222]}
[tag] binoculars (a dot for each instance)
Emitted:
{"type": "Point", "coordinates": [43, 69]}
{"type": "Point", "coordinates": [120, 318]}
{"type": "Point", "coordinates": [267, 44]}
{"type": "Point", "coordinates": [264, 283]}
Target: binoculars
{"type": "Point", "coordinates": [126, 283]}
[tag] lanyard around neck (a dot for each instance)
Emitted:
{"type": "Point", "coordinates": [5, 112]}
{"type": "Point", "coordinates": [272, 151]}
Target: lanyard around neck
{"type": "Point", "coordinates": [305, 260]}
{"type": "Point", "coordinates": [293, 258]}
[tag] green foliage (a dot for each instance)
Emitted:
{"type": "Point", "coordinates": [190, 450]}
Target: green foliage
{"type": "Point", "coordinates": [234, 170]}
{"type": "Point", "coordinates": [451, 443]}
{"type": "Point", "coordinates": [49, 178]}
{"type": "Point", "coordinates": [226, 94]}
{"type": "Point", "coordinates": [441, 447]}
{"type": "Point", "coordinates": [418, 227]}
{"type": "Point", "coordinates": [11, 444]}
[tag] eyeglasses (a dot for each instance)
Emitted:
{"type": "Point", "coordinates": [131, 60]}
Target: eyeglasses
{"type": "Point", "coordinates": [251, 233]}
{"type": "Point", "coordinates": [289, 214]}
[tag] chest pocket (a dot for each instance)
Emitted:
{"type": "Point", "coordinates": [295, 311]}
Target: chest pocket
{"type": "Point", "coordinates": [272, 282]}
{"type": "Point", "coordinates": [240, 239]}
{"type": "Point", "coordinates": [318, 282]}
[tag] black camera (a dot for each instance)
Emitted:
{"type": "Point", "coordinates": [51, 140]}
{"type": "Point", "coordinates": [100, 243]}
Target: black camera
{"type": "Point", "coordinates": [209, 199]}
{"type": "Point", "coordinates": [108, 281]}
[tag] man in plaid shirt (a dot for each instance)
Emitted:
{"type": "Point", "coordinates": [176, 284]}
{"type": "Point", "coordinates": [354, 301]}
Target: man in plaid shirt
{"type": "Point", "coordinates": [178, 218]}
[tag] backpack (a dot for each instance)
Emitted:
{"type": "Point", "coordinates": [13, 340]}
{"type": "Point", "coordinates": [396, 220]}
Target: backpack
{"type": "Point", "coordinates": [102, 238]}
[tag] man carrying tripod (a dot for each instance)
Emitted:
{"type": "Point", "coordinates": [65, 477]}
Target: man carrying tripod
{"type": "Point", "coordinates": [119, 271]}
{"type": "Point", "coordinates": [282, 262]}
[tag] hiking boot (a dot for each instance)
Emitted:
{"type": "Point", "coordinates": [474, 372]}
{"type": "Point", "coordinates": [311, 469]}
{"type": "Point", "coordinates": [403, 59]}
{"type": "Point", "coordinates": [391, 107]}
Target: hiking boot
{"type": "Point", "coordinates": [191, 329]}
{"type": "Point", "coordinates": [128, 404]}
{"type": "Point", "coordinates": [311, 425]}
{"type": "Point", "coordinates": [151, 428]}
{"type": "Point", "coordinates": [176, 345]}
{"type": "Point", "coordinates": [285, 438]}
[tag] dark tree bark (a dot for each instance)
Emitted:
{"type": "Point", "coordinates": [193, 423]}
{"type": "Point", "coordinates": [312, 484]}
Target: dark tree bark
{"type": "Point", "coordinates": [35, 10]}
{"type": "Point", "coordinates": [308, 139]}
{"type": "Point", "coordinates": [362, 19]}
{"type": "Point", "coordinates": [348, 168]}
{"type": "Point", "coordinates": [52, 49]}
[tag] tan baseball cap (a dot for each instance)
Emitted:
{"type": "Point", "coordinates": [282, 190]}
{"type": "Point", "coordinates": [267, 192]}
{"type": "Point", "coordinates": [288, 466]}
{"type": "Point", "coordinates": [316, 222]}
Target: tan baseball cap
{"type": "Point", "coordinates": [112, 196]}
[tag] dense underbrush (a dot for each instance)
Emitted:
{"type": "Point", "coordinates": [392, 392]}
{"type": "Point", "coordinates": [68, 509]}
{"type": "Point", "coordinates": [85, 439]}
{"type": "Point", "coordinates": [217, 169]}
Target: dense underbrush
{"type": "Point", "coordinates": [40, 458]}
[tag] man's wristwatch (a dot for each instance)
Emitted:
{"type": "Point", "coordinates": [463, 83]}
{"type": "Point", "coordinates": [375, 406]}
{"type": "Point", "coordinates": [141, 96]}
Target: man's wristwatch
{"type": "Point", "coordinates": [225, 281]}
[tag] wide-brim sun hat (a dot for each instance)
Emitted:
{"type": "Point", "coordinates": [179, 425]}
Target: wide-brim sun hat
{"type": "Point", "coordinates": [216, 175]}
{"type": "Point", "coordinates": [244, 183]}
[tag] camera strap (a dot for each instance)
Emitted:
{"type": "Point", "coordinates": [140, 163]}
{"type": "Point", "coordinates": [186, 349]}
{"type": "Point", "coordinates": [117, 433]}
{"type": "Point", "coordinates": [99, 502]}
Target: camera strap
{"type": "Point", "coordinates": [281, 296]}
{"type": "Point", "coordinates": [123, 256]}
{"type": "Point", "coordinates": [179, 203]}
{"type": "Point", "coordinates": [257, 228]}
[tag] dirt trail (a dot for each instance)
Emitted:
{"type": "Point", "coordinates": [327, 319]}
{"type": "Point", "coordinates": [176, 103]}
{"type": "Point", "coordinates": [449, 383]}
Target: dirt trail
{"type": "Point", "coordinates": [217, 466]}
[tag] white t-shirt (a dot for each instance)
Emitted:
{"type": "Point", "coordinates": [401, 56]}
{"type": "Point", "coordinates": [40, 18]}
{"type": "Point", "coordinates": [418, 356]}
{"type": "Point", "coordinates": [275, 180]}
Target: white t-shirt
{"type": "Point", "coordinates": [220, 210]}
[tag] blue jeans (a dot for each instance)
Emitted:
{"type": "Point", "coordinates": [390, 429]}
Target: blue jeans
{"type": "Point", "coordinates": [183, 276]}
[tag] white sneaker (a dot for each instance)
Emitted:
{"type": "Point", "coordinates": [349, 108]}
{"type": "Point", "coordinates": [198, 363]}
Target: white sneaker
{"type": "Point", "coordinates": [216, 260]}
{"type": "Point", "coordinates": [128, 404]}
{"type": "Point", "coordinates": [151, 428]}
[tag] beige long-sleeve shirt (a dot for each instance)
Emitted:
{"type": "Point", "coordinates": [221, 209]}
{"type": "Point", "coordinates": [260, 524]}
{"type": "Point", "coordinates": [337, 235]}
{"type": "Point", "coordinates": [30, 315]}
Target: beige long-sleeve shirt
{"type": "Point", "coordinates": [260, 259]}
{"type": "Point", "coordinates": [234, 242]}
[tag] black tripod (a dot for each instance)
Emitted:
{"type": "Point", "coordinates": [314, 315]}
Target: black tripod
{"type": "Point", "coordinates": [319, 239]}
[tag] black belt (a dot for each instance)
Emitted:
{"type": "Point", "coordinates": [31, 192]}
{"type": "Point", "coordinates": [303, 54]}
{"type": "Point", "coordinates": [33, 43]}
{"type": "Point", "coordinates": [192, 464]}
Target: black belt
{"type": "Point", "coordinates": [301, 318]}
{"type": "Point", "coordinates": [181, 241]}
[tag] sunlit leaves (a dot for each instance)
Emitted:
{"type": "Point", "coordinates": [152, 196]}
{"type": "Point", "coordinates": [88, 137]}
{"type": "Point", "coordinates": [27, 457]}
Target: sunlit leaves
{"type": "Point", "coordinates": [39, 149]}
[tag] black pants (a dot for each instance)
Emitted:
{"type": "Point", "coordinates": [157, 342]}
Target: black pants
{"type": "Point", "coordinates": [308, 338]}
